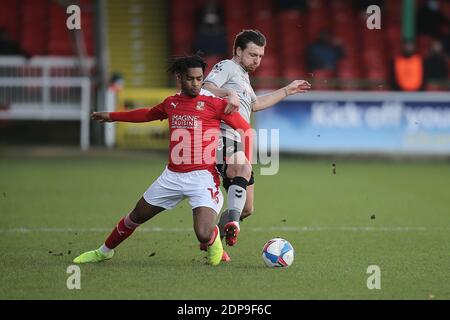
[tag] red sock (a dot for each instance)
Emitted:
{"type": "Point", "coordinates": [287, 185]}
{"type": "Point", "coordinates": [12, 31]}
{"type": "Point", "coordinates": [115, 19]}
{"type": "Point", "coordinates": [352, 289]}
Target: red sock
{"type": "Point", "coordinates": [122, 231]}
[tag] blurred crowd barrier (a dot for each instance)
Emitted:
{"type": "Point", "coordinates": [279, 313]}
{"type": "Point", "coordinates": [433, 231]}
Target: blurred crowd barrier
{"type": "Point", "coordinates": [45, 88]}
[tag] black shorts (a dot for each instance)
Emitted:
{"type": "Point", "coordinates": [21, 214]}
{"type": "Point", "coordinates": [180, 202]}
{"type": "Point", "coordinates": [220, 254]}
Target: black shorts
{"type": "Point", "coordinates": [226, 149]}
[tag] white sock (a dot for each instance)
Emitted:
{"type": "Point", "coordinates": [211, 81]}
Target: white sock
{"type": "Point", "coordinates": [237, 195]}
{"type": "Point", "coordinates": [104, 249]}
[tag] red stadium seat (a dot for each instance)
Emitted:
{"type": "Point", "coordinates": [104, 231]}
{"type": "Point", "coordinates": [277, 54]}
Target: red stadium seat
{"type": "Point", "coordinates": [392, 13]}
{"type": "Point", "coordinates": [377, 78]}
{"type": "Point", "coordinates": [34, 26]}
{"type": "Point", "coordinates": [268, 72]}
{"type": "Point", "coordinates": [291, 41]}
{"type": "Point", "coordinates": [182, 37]}
{"type": "Point", "coordinates": [182, 17]}
{"type": "Point", "coordinates": [445, 5]}
{"type": "Point", "coordinates": [322, 80]}
{"type": "Point", "coordinates": [393, 37]}
{"type": "Point", "coordinates": [261, 5]}
{"type": "Point", "coordinates": [435, 87]}
{"type": "Point", "coordinates": [367, 52]}
{"type": "Point", "coordinates": [10, 15]}
{"type": "Point", "coordinates": [289, 19]}
{"type": "Point", "coordinates": [181, 10]}
{"type": "Point", "coordinates": [318, 5]}
{"type": "Point", "coordinates": [60, 40]}
{"type": "Point", "coordinates": [316, 22]}
{"type": "Point", "coordinates": [293, 62]}
{"type": "Point", "coordinates": [291, 72]}
{"type": "Point", "coordinates": [235, 9]}
{"type": "Point", "coordinates": [233, 27]}
{"type": "Point", "coordinates": [373, 58]}
{"type": "Point", "coordinates": [377, 73]}
{"type": "Point", "coordinates": [347, 64]}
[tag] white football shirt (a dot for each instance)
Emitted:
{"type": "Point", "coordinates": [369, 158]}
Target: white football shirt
{"type": "Point", "coordinates": [228, 74]}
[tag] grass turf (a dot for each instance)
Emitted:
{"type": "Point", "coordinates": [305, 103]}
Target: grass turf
{"type": "Point", "coordinates": [394, 215]}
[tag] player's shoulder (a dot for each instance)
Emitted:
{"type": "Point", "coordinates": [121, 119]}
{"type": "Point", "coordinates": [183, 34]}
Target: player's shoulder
{"type": "Point", "coordinates": [170, 101]}
{"type": "Point", "coordinates": [226, 64]}
{"type": "Point", "coordinates": [175, 97]}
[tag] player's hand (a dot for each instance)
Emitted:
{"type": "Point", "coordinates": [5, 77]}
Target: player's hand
{"type": "Point", "coordinates": [297, 86]}
{"type": "Point", "coordinates": [101, 116]}
{"type": "Point", "coordinates": [233, 102]}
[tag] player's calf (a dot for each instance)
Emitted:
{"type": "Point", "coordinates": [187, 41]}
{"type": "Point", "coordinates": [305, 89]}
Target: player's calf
{"type": "Point", "coordinates": [237, 196]}
{"type": "Point", "coordinates": [248, 210]}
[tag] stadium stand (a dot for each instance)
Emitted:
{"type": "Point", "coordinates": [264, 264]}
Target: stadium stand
{"type": "Point", "coordinates": [368, 54]}
{"type": "Point", "coordinates": [36, 25]}
{"type": "Point", "coordinates": [290, 30]}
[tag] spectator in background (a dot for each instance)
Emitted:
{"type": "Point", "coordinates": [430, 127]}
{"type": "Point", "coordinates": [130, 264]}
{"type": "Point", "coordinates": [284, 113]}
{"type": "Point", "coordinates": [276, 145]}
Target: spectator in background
{"type": "Point", "coordinates": [9, 47]}
{"type": "Point", "coordinates": [324, 53]}
{"type": "Point", "coordinates": [116, 82]}
{"type": "Point", "coordinates": [408, 73]}
{"type": "Point", "coordinates": [436, 67]}
{"type": "Point", "coordinates": [211, 36]}
{"type": "Point", "coordinates": [430, 20]}
{"type": "Point", "coordinates": [209, 9]}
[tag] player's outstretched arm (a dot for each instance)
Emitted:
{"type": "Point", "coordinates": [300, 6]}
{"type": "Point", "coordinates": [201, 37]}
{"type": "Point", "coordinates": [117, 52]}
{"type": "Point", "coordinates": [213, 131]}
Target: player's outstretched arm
{"type": "Point", "coordinates": [138, 115]}
{"type": "Point", "coordinates": [271, 98]}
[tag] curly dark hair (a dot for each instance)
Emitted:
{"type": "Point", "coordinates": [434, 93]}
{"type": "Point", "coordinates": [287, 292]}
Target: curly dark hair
{"type": "Point", "coordinates": [179, 65]}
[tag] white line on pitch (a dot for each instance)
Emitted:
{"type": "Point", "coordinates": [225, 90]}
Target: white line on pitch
{"type": "Point", "coordinates": [259, 229]}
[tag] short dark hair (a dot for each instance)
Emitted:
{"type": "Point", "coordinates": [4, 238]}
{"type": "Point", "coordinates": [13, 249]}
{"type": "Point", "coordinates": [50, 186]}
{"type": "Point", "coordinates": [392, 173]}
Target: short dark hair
{"type": "Point", "coordinates": [180, 64]}
{"type": "Point", "coordinates": [246, 36]}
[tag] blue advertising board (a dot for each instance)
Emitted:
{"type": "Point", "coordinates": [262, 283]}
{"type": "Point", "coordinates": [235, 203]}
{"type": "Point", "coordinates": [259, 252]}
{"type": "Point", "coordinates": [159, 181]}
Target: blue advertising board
{"type": "Point", "coordinates": [361, 123]}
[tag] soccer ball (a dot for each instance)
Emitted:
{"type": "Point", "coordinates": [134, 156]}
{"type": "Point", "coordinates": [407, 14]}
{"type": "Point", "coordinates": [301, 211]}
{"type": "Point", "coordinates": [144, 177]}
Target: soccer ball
{"type": "Point", "coordinates": [277, 253]}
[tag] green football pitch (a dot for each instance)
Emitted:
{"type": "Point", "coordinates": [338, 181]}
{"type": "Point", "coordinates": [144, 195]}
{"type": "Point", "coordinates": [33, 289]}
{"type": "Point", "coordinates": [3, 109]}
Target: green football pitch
{"type": "Point", "coordinates": [389, 214]}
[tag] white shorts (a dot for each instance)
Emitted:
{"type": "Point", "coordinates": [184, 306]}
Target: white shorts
{"type": "Point", "coordinates": [172, 187]}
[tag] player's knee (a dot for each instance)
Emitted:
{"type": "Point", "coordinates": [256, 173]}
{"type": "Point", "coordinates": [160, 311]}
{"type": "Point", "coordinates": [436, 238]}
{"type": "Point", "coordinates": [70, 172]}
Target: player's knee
{"type": "Point", "coordinates": [246, 171]}
{"type": "Point", "coordinates": [138, 215]}
{"type": "Point", "coordinates": [240, 170]}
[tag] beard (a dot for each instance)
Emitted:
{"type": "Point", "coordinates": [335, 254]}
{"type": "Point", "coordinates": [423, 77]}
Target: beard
{"type": "Point", "coordinates": [250, 68]}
